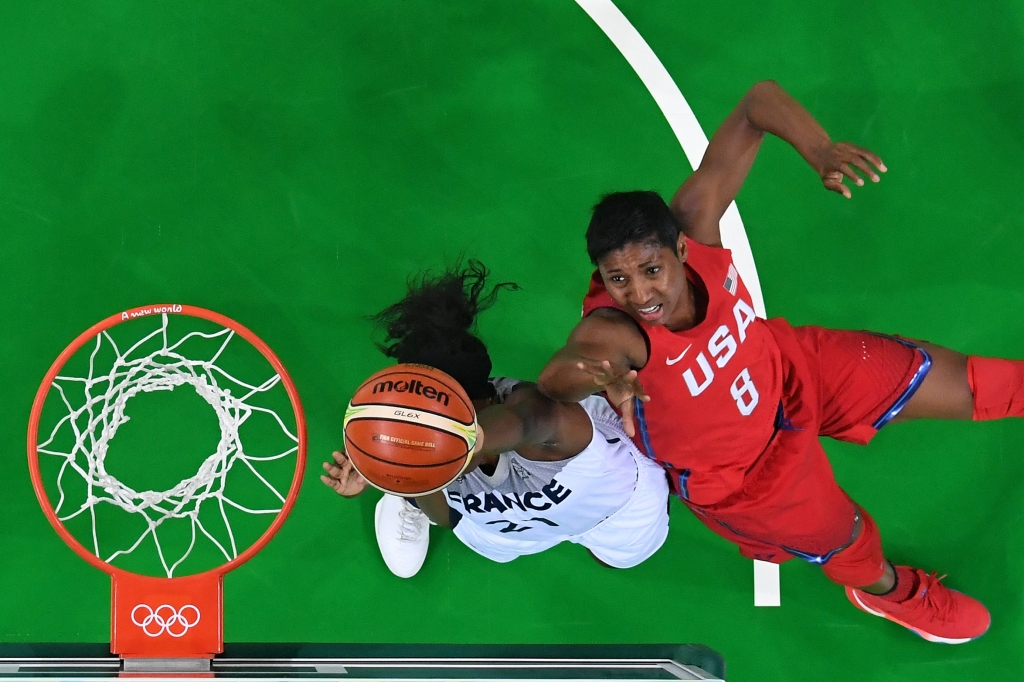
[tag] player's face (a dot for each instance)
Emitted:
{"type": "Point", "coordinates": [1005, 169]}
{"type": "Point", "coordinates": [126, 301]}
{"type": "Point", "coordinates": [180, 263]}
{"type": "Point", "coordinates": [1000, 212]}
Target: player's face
{"type": "Point", "coordinates": [647, 280]}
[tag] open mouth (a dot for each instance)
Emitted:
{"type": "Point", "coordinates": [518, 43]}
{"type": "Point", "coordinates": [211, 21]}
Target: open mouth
{"type": "Point", "coordinates": [650, 313]}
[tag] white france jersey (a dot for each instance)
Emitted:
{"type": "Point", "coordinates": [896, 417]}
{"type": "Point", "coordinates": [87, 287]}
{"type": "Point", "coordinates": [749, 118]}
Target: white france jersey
{"type": "Point", "coordinates": [527, 506]}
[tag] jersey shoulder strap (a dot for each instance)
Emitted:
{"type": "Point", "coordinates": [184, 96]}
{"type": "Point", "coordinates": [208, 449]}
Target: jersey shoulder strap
{"type": "Point", "coordinates": [707, 261]}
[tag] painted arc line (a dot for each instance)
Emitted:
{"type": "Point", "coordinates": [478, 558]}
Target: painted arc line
{"type": "Point", "coordinates": [682, 121]}
{"type": "Point", "coordinates": [680, 117]}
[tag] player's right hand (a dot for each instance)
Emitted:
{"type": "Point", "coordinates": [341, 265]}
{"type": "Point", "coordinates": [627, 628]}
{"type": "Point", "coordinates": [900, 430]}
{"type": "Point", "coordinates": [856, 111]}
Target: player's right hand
{"type": "Point", "coordinates": [833, 163]}
{"type": "Point", "coordinates": [620, 384]}
{"type": "Point", "coordinates": [343, 477]}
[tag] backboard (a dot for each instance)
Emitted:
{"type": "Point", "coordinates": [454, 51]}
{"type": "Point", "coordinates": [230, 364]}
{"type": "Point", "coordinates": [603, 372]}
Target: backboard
{"type": "Point", "coordinates": [379, 662]}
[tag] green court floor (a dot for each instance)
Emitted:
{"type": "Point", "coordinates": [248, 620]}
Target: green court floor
{"type": "Point", "coordinates": [288, 164]}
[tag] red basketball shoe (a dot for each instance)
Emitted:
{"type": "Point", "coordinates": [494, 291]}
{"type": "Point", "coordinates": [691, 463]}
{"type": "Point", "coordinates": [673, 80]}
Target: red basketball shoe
{"type": "Point", "coordinates": [934, 611]}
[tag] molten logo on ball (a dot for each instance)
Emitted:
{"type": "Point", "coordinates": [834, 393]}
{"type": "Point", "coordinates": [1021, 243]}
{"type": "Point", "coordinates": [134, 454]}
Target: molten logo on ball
{"type": "Point", "coordinates": [414, 386]}
{"type": "Point", "coordinates": [410, 429]}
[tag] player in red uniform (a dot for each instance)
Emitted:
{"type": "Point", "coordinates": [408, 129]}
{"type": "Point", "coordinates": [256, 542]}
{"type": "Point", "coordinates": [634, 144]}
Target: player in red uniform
{"type": "Point", "coordinates": [732, 405]}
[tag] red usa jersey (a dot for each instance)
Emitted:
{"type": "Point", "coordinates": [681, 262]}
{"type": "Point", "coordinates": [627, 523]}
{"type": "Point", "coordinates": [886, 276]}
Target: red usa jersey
{"type": "Point", "coordinates": [715, 388]}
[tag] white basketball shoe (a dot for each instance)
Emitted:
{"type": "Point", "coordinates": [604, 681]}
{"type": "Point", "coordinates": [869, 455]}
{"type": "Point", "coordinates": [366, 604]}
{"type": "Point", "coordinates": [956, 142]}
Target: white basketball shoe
{"type": "Point", "coordinates": [402, 535]}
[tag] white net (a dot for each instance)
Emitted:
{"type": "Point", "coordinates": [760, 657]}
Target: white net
{"type": "Point", "coordinates": [95, 406]}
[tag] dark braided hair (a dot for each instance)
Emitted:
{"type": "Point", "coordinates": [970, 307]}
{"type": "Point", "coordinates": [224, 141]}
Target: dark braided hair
{"type": "Point", "coordinates": [432, 324]}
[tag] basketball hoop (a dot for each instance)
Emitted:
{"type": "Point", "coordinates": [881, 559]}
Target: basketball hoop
{"type": "Point", "coordinates": [82, 403]}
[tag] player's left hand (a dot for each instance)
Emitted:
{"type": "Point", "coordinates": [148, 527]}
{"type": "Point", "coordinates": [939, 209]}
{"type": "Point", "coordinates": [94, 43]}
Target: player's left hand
{"type": "Point", "coordinates": [833, 163]}
{"type": "Point", "coordinates": [343, 477]}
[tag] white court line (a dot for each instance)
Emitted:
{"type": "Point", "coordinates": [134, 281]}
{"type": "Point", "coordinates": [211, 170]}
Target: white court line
{"type": "Point", "coordinates": [767, 591]}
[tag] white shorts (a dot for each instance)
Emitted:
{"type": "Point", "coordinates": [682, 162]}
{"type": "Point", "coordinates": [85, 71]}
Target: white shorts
{"type": "Point", "coordinates": [635, 532]}
{"type": "Point", "coordinates": [626, 538]}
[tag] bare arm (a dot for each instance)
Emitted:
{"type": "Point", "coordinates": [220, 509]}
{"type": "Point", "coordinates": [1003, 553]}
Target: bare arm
{"type": "Point", "coordinates": [606, 335]}
{"type": "Point", "coordinates": [602, 354]}
{"type": "Point", "coordinates": [534, 425]}
{"type": "Point", "coordinates": [529, 420]}
{"type": "Point", "coordinates": [766, 108]}
{"type": "Point", "coordinates": [435, 506]}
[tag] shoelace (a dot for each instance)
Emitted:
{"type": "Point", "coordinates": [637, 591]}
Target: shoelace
{"type": "Point", "coordinates": [409, 529]}
{"type": "Point", "coordinates": [939, 602]}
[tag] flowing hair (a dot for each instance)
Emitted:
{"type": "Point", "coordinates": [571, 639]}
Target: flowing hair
{"type": "Point", "coordinates": [434, 323]}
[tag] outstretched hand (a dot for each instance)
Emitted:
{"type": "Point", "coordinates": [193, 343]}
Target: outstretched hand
{"type": "Point", "coordinates": [620, 384]}
{"type": "Point", "coordinates": [343, 477]}
{"type": "Point", "coordinates": [833, 162]}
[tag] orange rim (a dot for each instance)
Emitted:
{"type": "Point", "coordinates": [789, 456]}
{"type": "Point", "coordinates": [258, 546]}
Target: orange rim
{"type": "Point", "coordinates": [153, 310]}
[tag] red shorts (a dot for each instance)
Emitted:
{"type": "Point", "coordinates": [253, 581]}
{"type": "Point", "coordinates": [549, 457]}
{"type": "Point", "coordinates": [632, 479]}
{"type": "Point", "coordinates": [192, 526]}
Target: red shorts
{"type": "Point", "coordinates": [841, 384]}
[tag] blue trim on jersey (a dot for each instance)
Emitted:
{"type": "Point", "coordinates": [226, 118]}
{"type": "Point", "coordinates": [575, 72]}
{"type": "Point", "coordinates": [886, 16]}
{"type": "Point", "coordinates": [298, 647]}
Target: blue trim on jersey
{"type": "Point", "coordinates": [683, 477]}
{"type": "Point", "coordinates": [817, 559]}
{"type": "Point", "coordinates": [915, 384]}
{"type": "Point", "coordinates": [641, 423]}
{"type": "Point", "coordinates": [782, 423]}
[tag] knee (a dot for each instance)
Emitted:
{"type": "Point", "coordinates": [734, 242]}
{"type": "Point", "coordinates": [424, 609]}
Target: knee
{"type": "Point", "coordinates": [863, 562]}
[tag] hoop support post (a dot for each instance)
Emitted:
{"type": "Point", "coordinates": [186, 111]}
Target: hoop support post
{"type": "Point", "coordinates": [166, 618]}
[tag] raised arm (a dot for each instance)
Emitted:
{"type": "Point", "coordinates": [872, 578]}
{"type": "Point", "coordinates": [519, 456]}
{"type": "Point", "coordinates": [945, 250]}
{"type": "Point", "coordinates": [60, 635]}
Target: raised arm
{"type": "Point", "coordinates": [530, 420]}
{"type": "Point", "coordinates": [602, 354]}
{"type": "Point", "coordinates": [766, 108]}
{"type": "Point", "coordinates": [538, 427]}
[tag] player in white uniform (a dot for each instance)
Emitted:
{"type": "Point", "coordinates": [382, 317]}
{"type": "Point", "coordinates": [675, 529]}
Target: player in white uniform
{"type": "Point", "coordinates": [544, 472]}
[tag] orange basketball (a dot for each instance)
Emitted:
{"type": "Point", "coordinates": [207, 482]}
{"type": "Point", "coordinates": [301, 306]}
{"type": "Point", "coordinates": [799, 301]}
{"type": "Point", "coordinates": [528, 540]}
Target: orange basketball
{"type": "Point", "coordinates": [410, 429]}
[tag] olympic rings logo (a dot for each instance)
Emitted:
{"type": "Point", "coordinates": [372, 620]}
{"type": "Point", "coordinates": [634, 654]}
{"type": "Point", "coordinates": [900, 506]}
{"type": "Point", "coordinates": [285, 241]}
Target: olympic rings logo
{"type": "Point", "coordinates": [165, 618]}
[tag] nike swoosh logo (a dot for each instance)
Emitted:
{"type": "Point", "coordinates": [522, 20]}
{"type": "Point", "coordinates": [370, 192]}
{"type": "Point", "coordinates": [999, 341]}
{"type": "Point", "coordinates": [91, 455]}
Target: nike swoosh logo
{"type": "Point", "coordinates": [672, 362]}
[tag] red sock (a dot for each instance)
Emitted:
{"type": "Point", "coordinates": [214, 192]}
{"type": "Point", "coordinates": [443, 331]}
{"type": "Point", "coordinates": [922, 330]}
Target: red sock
{"type": "Point", "coordinates": [906, 585]}
{"type": "Point", "coordinates": [998, 387]}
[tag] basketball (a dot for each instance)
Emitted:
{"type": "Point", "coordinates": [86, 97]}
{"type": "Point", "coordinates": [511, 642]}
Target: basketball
{"type": "Point", "coordinates": [410, 429]}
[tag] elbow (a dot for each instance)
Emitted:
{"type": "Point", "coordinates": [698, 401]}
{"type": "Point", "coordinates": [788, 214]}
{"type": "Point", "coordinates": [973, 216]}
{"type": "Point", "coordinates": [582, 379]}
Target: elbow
{"type": "Point", "coordinates": [761, 95]}
{"type": "Point", "coordinates": [762, 87]}
{"type": "Point", "coordinates": [544, 382]}
{"type": "Point", "coordinates": [547, 382]}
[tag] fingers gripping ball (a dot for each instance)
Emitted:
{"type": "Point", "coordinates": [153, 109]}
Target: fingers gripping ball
{"type": "Point", "coordinates": [410, 429]}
